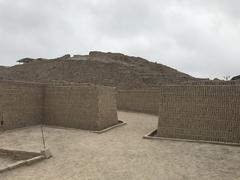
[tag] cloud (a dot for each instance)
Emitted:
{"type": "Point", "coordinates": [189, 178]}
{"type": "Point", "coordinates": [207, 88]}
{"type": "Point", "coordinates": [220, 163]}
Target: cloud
{"type": "Point", "coordinates": [201, 38]}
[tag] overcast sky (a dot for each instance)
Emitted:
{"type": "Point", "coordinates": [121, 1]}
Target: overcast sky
{"type": "Point", "coordinates": [198, 37]}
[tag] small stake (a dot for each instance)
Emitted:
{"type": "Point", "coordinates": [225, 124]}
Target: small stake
{"type": "Point", "coordinates": [43, 138]}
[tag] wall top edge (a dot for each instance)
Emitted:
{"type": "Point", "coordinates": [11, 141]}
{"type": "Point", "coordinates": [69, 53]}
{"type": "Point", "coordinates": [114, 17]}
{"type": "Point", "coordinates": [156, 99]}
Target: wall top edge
{"type": "Point", "coordinates": [13, 82]}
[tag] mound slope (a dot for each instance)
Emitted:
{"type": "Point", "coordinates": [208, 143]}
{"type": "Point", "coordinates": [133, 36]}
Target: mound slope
{"type": "Point", "coordinates": [110, 69]}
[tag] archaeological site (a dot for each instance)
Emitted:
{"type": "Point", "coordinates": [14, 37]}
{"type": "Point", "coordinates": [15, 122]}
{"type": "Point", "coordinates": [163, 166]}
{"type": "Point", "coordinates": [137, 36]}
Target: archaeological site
{"type": "Point", "coordinates": [70, 111]}
{"type": "Point", "coordinates": [82, 106]}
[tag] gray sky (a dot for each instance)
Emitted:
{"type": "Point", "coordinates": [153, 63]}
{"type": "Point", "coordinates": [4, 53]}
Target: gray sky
{"type": "Point", "coordinates": [198, 37]}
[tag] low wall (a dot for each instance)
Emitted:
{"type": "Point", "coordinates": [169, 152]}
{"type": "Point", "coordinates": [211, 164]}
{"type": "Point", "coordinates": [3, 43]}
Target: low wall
{"type": "Point", "coordinates": [20, 104]}
{"type": "Point", "coordinates": [208, 113]}
{"type": "Point", "coordinates": [17, 155]}
{"type": "Point", "coordinates": [139, 100]}
{"type": "Point", "coordinates": [85, 107]}
{"type": "Point", "coordinates": [147, 100]}
{"type": "Point", "coordinates": [74, 107]}
{"type": "Point", "coordinates": [81, 106]}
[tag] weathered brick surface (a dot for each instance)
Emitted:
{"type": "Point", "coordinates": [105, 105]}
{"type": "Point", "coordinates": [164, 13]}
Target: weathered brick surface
{"type": "Point", "coordinates": [139, 100]}
{"type": "Point", "coordinates": [77, 106]}
{"type": "Point", "coordinates": [107, 112]}
{"type": "Point", "coordinates": [74, 107]}
{"type": "Point", "coordinates": [210, 113]}
{"type": "Point", "coordinates": [20, 104]}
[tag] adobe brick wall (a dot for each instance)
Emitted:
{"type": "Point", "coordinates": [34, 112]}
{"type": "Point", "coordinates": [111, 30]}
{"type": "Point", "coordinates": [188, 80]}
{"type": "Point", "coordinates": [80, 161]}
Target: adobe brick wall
{"type": "Point", "coordinates": [209, 113]}
{"type": "Point", "coordinates": [76, 106]}
{"type": "Point", "coordinates": [69, 106]}
{"type": "Point", "coordinates": [79, 107]}
{"type": "Point", "coordinates": [139, 100]}
{"type": "Point", "coordinates": [20, 104]}
{"type": "Point", "coordinates": [107, 107]}
{"type": "Point", "coordinates": [147, 100]}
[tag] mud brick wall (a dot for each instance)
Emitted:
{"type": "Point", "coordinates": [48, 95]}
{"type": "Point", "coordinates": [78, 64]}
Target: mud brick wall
{"type": "Point", "coordinates": [139, 100]}
{"type": "Point", "coordinates": [78, 107]}
{"type": "Point", "coordinates": [209, 113]}
{"type": "Point", "coordinates": [20, 104]}
{"type": "Point", "coordinates": [107, 107]}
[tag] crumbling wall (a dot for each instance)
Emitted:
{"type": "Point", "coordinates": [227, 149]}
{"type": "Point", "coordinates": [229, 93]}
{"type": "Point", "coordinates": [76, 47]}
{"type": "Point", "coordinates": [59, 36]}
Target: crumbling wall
{"type": "Point", "coordinates": [78, 107]}
{"type": "Point", "coordinates": [139, 100]}
{"type": "Point", "coordinates": [209, 113]}
{"type": "Point", "coordinates": [20, 104]}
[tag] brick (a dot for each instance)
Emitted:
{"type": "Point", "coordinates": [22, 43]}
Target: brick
{"type": "Point", "coordinates": [209, 113]}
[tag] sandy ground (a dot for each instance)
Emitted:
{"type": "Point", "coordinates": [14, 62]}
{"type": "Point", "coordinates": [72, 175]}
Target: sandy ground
{"type": "Point", "coordinates": [4, 161]}
{"type": "Point", "coordinates": [121, 154]}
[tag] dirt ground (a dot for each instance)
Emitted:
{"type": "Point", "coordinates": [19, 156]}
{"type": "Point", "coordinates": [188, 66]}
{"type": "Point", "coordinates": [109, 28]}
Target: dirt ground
{"type": "Point", "coordinates": [5, 161]}
{"type": "Point", "coordinates": [121, 154]}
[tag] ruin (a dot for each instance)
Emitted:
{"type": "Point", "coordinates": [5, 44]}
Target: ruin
{"type": "Point", "coordinates": [52, 95]}
{"type": "Point", "coordinates": [82, 106]}
{"type": "Point", "coordinates": [146, 101]}
{"type": "Point", "coordinates": [107, 69]}
{"type": "Point", "coordinates": [200, 113]}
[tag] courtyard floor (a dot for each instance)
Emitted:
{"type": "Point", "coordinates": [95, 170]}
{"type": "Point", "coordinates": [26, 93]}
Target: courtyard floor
{"type": "Point", "coordinates": [120, 154]}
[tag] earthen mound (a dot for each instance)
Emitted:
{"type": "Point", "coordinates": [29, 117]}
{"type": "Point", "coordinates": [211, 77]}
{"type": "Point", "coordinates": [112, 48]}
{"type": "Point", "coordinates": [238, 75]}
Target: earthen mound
{"type": "Point", "coordinates": [110, 69]}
